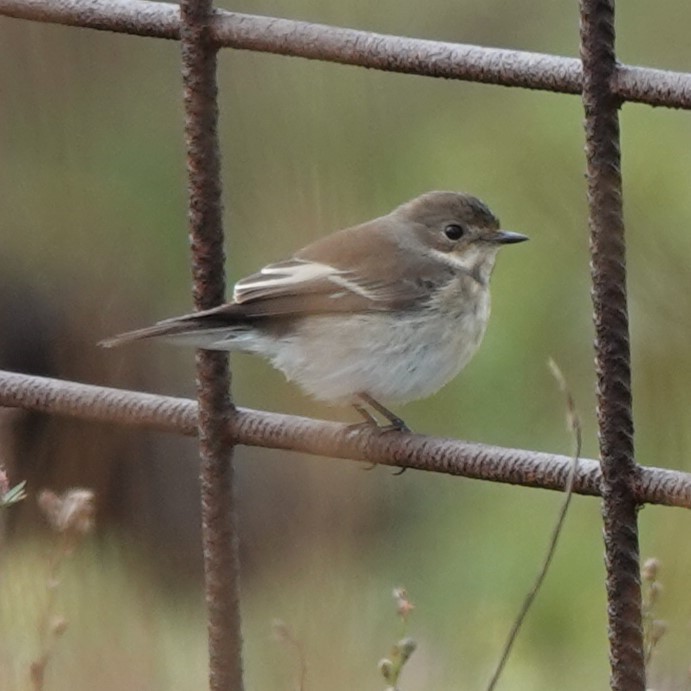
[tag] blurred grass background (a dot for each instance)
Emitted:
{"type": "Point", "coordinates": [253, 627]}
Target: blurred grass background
{"type": "Point", "coordinates": [94, 242]}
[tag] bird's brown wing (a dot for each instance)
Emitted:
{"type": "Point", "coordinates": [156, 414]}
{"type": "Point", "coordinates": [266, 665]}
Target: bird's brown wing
{"type": "Point", "coordinates": [339, 275]}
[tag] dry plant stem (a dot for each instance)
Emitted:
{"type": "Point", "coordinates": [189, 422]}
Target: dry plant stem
{"type": "Point", "coordinates": [71, 516]}
{"type": "Point", "coordinates": [335, 440]}
{"type": "Point", "coordinates": [285, 635]}
{"type": "Point", "coordinates": [653, 628]}
{"type": "Point", "coordinates": [219, 533]}
{"type": "Point", "coordinates": [392, 667]}
{"type": "Point", "coordinates": [612, 353]}
{"type": "Point", "coordinates": [575, 426]}
{"type": "Point", "coordinates": [361, 48]}
{"type": "Point", "coordinates": [303, 667]}
{"type": "Point", "coordinates": [47, 638]}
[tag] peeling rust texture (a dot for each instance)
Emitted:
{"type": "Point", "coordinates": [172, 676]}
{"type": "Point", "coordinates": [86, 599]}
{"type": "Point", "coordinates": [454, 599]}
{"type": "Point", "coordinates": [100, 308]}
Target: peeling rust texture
{"type": "Point", "coordinates": [360, 48]}
{"type": "Point", "coordinates": [608, 268]}
{"type": "Point", "coordinates": [335, 440]}
{"type": "Point", "coordinates": [219, 534]}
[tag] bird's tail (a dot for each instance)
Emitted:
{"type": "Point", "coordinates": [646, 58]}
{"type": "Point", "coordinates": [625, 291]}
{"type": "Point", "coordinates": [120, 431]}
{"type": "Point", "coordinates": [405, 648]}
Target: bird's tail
{"type": "Point", "coordinates": [200, 329]}
{"type": "Point", "coordinates": [169, 327]}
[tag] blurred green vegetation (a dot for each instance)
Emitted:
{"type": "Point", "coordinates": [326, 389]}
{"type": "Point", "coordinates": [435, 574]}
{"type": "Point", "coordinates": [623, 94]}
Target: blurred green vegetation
{"type": "Point", "coordinates": [92, 189]}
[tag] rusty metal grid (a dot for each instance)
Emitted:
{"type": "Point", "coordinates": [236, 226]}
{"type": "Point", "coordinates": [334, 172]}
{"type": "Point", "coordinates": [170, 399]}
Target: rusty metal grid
{"type": "Point", "coordinates": [205, 217]}
{"type": "Point", "coordinates": [617, 478]}
{"type": "Point", "coordinates": [612, 353]}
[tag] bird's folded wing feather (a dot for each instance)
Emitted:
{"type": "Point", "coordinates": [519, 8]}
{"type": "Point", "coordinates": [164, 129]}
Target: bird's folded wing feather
{"type": "Point", "coordinates": [300, 286]}
{"type": "Point", "coordinates": [321, 279]}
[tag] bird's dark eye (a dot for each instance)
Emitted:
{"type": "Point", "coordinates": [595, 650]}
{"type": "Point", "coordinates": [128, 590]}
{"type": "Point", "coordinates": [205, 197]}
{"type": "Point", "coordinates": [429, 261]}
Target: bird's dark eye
{"type": "Point", "coordinates": [454, 231]}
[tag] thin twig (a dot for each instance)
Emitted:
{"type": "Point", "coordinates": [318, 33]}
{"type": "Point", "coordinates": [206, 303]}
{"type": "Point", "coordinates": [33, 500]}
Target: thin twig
{"type": "Point", "coordinates": [575, 426]}
{"type": "Point", "coordinates": [283, 634]}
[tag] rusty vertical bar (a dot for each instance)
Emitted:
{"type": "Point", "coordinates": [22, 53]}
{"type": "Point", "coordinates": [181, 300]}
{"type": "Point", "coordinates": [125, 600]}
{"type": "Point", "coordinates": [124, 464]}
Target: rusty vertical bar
{"type": "Point", "coordinates": [615, 422]}
{"type": "Point", "coordinates": [219, 536]}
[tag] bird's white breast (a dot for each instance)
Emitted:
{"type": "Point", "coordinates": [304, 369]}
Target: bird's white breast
{"type": "Point", "coordinates": [390, 356]}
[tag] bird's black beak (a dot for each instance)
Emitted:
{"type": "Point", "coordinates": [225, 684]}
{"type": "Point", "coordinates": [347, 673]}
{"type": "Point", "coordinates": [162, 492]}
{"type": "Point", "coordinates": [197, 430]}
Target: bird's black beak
{"type": "Point", "coordinates": [508, 237]}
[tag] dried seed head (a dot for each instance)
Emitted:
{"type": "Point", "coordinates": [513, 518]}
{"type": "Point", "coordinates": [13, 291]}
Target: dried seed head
{"type": "Point", "coordinates": [386, 668]}
{"type": "Point", "coordinates": [58, 626]}
{"type": "Point", "coordinates": [655, 589]}
{"type": "Point", "coordinates": [280, 631]}
{"type": "Point", "coordinates": [403, 605]}
{"type": "Point", "coordinates": [406, 647]}
{"type": "Point", "coordinates": [650, 569]}
{"type": "Point", "coordinates": [73, 512]}
{"type": "Point", "coordinates": [658, 629]}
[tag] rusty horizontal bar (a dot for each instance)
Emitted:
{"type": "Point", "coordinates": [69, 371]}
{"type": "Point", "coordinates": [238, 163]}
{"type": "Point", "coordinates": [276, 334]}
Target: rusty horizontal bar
{"type": "Point", "coordinates": [336, 440]}
{"type": "Point", "coordinates": [362, 48]}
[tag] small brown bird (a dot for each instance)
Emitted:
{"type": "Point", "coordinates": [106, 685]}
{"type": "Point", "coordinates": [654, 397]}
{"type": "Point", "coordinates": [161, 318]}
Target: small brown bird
{"type": "Point", "coordinates": [391, 309]}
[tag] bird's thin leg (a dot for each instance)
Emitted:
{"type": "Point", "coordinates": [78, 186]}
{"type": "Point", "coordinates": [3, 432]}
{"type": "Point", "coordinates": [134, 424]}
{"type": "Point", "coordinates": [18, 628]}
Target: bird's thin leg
{"type": "Point", "coordinates": [370, 420]}
{"type": "Point", "coordinates": [396, 422]}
